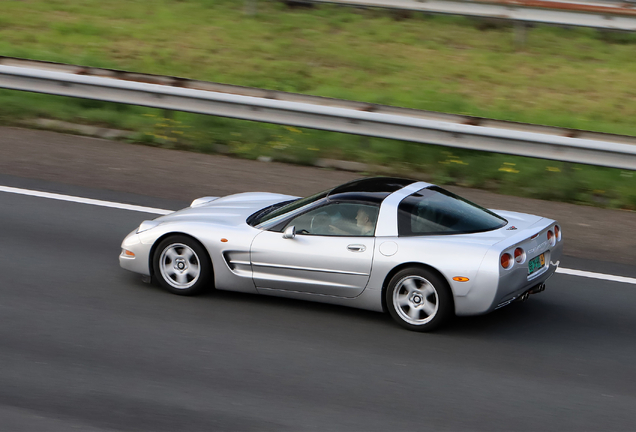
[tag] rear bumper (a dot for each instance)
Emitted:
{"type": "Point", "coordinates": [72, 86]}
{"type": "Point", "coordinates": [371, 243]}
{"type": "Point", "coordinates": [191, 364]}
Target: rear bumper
{"type": "Point", "coordinates": [515, 283]}
{"type": "Point", "coordinates": [494, 287]}
{"type": "Point", "coordinates": [534, 285]}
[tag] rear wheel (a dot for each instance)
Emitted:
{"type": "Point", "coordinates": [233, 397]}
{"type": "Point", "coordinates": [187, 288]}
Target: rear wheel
{"type": "Point", "coordinates": [181, 265]}
{"type": "Point", "coordinates": [419, 299]}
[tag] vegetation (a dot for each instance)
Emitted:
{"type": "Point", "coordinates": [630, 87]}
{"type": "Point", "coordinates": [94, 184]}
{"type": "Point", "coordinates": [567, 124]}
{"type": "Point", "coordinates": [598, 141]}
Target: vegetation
{"type": "Point", "coordinates": [573, 78]}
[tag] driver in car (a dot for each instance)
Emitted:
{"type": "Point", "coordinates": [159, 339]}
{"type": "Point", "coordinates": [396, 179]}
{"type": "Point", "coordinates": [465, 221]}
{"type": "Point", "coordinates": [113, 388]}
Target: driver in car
{"type": "Point", "coordinates": [364, 225]}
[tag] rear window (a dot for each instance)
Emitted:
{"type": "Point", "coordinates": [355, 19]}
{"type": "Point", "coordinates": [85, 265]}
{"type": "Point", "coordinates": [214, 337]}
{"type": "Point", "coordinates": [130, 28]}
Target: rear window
{"type": "Point", "coordinates": [435, 211]}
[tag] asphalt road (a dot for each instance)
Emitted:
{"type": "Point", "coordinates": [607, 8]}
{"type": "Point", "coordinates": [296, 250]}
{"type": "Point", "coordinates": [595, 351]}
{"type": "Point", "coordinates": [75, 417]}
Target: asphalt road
{"type": "Point", "coordinates": [85, 345]}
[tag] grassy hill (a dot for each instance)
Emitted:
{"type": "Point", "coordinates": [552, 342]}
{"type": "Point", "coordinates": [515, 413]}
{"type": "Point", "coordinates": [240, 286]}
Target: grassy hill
{"type": "Point", "coordinates": [571, 78]}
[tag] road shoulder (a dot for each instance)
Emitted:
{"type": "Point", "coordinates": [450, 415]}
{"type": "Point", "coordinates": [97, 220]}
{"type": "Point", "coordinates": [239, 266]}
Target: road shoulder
{"type": "Point", "coordinates": [179, 176]}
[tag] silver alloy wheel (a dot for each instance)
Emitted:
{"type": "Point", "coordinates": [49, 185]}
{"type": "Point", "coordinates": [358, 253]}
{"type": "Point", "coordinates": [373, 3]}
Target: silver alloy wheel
{"type": "Point", "coordinates": [180, 266]}
{"type": "Point", "coordinates": [415, 300]}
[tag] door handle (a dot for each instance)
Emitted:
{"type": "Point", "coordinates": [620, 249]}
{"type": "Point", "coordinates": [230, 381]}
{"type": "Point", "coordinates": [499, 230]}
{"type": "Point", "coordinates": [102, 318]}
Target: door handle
{"type": "Point", "coordinates": [357, 248]}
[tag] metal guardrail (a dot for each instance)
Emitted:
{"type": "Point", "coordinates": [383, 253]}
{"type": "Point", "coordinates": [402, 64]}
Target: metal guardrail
{"type": "Point", "coordinates": [601, 15]}
{"type": "Point", "coordinates": [319, 113]}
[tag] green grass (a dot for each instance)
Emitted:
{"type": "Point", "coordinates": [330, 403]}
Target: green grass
{"type": "Point", "coordinates": [577, 78]}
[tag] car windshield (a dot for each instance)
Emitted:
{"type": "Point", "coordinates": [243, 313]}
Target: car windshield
{"type": "Point", "coordinates": [271, 218]}
{"type": "Point", "coordinates": [435, 211]}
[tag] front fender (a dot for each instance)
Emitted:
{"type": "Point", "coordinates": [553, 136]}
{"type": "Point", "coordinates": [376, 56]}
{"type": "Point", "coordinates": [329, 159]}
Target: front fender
{"type": "Point", "coordinates": [219, 242]}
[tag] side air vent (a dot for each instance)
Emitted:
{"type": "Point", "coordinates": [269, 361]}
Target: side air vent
{"type": "Point", "coordinates": [238, 262]}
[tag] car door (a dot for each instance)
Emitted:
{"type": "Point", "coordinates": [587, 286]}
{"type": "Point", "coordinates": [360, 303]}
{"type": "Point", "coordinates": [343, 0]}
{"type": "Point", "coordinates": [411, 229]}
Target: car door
{"type": "Point", "coordinates": [329, 255]}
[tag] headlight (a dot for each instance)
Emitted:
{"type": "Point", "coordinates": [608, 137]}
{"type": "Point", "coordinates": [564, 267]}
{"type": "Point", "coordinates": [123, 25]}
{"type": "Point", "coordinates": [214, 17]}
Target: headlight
{"type": "Point", "coordinates": [146, 225]}
{"type": "Point", "coordinates": [200, 201]}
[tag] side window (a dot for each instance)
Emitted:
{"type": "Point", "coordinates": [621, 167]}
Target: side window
{"type": "Point", "coordinates": [338, 219]}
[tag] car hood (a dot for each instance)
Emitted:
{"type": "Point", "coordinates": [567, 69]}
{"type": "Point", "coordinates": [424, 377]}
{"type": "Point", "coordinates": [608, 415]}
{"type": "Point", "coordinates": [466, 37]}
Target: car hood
{"type": "Point", "coordinates": [228, 210]}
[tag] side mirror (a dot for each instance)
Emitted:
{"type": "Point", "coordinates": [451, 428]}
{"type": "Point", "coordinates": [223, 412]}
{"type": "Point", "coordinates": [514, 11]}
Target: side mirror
{"type": "Point", "coordinates": [290, 232]}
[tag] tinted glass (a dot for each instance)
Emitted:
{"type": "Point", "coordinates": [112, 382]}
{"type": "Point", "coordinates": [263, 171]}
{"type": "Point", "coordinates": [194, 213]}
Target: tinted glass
{"type": "Point", "coordinates": [272, 218]}
{"type": "Point", "coordinates": [338, 219]}
{"type": "Point", "coordinates": [375, 184]}
{"type": "Point", "coordinates": [436, 211]}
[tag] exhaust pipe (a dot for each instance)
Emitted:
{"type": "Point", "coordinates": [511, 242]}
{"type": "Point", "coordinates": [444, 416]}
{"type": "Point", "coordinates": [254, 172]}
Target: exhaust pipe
{"type": "Point", "coordinates": [536, 290]}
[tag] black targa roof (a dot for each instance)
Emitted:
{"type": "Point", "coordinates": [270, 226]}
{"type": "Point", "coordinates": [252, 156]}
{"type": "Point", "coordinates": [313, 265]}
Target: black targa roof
{"type": "Point", "coordinates": [371, 190]}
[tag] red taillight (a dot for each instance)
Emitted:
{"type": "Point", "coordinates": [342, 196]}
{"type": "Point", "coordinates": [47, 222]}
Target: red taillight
{"type": "Point", "coordinates": [551, 238]}
{"type": "Point", "coordinates": [520, 255]}
{"type": "Point", "coordinates": [506, 260]}
{"type": "Point", "coordinates": [557, 232]}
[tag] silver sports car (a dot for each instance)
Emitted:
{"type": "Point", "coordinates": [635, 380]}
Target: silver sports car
{"type": "Point", "coordinates": [386, 244]}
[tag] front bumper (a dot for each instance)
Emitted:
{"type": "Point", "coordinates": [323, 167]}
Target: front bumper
{"type": "Point", "coordinates": [139, 262]}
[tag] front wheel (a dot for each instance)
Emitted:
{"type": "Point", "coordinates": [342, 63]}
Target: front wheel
{"type": "Point", "coordinates": [181, 265]}
{"type": "Point", "coordinates": [419, 299]}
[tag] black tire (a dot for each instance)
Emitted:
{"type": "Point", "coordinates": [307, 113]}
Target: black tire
{"type": "Point", "coordinates": [423, 304]}
{"type": "Point", "coordinates": [181, 265]}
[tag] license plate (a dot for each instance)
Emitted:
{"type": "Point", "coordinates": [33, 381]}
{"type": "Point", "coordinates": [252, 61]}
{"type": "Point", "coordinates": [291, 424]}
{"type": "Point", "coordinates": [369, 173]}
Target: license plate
{"type": "Point", "coordinates": [536, 263]}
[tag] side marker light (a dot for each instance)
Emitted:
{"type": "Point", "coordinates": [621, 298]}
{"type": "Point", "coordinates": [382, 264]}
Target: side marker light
{"type": "Point", "coordinates": [129, 253]}
{"type": "Point", "coordinates": [224, 240]}
{"type": "Point", "coordinates": [461, 279]}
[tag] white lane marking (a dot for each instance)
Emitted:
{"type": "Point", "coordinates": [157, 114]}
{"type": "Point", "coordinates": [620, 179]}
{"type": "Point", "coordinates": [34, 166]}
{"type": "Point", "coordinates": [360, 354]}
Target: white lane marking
{"type": "Point", "coordinates": [592, 275]}
{"type": "Point", "coordinates": [142, 209]}
{"type": "Point", "coordinates": [89, 201]}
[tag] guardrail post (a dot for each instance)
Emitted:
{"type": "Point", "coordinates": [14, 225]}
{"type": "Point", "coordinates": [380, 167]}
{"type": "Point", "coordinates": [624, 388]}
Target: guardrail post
{"type": "Point", "coordinates": [521, 34]}
{"type": "Point", "coordinates": [250, 7]}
